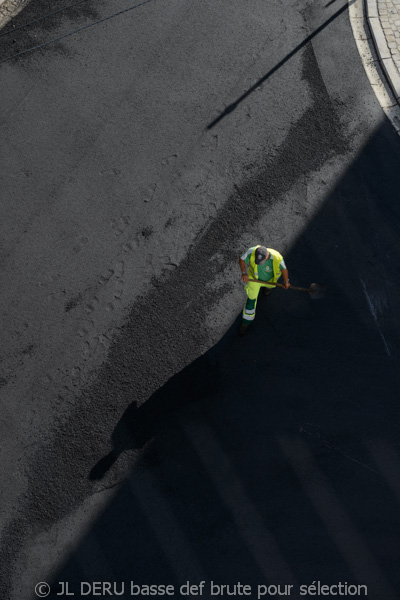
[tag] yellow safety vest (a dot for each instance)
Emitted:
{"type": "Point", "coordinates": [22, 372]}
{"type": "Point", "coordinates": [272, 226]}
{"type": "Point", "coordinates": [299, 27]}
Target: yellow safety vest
{"type": "Point", "coordinates": [276, 261]}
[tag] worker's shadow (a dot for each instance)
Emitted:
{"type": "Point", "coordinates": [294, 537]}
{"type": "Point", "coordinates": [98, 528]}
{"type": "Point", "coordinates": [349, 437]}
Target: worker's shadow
{"type": "Point", "coordinates": [139, 425]}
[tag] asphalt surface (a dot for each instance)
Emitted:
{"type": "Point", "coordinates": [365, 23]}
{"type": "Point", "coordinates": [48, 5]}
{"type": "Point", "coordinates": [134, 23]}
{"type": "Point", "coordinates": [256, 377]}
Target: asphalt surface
{"type": "Point", "coordinates": [142, 440]}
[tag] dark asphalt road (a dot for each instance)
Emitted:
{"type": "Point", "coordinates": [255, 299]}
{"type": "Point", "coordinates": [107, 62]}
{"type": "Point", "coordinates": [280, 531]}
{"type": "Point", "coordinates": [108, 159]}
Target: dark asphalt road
{"type": "Point", "coordinates": [271, 459]}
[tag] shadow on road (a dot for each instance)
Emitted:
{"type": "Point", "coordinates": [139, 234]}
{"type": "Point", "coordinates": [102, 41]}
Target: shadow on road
{"type": "Point", "coordinates": [269, 459]}
{"type": "Point", "coordinates": [255, 465]}
{"type": "Point", "coordinates": [231, 107]}
{"type": "Point", "coordinates": [272, 459]}
{"type": "Point", "coordinates": [139, 425]}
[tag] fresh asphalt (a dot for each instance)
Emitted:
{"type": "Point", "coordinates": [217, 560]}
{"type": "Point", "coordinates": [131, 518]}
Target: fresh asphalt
{"type": "Point", "coordinates": [192, 454]}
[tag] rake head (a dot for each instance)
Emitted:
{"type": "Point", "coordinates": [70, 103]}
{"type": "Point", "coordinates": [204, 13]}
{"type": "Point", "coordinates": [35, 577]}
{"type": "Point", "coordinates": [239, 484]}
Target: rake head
{"type": "Point", "coordinates": [317, 291]}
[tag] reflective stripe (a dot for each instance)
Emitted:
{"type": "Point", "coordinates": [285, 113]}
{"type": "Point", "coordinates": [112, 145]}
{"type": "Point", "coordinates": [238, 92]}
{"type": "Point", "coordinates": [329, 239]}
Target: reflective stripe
{"type": "Point", "coordinates": [248, 253]}
{"type": "Point", "coordinates": [250, 312]}
{"type": "Point", "coordinates": [248, 317]}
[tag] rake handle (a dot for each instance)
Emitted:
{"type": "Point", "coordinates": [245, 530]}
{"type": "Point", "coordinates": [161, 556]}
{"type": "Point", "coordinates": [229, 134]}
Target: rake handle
{"type": "Point", "coordinates": [292, 287]}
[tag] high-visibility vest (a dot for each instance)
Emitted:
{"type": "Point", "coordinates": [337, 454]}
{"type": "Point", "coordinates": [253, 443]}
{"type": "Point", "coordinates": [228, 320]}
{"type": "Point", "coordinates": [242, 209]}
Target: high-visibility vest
{"type": "Point", "coordinates": [276, 261]}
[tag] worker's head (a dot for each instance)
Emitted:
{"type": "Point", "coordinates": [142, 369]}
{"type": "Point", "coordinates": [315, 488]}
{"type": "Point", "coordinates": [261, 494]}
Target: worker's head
{"type": "Point", "coordinates": [261, 255]}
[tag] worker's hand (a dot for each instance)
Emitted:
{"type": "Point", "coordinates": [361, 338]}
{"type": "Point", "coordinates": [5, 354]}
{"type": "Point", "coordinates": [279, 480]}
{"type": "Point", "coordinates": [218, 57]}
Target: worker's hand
{"type": "Point", "coordinates": [286, 284]}
{"type": "Point", "coordinates": [245, 277]}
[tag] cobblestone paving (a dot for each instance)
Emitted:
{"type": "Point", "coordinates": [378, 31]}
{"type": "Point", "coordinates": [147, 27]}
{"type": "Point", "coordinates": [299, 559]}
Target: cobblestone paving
{"type": "Point", "coordinates": [389, 16]}
{"type": "Point", "coordinates": [10, 8]}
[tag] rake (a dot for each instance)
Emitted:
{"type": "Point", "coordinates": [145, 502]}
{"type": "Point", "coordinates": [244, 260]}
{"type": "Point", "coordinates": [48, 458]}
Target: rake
{"type": "Point", "coordinates": [316, 290]}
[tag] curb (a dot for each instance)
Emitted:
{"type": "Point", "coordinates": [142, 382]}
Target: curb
{"type": "Point", "coordinates": [376, 57]}
{"type": "Point", "coordinates": [375, 54]}
{"type": "Point", "coordinates": [382, 49]}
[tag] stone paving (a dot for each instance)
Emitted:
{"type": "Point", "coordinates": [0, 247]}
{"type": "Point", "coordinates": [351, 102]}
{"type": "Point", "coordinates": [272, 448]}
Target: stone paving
{"type": "Point", "coordinates": [383, 17]}
{"type": "Point", "coordinates": [389, 16]}
{"type": "Point", "coordinates": [9, 9]}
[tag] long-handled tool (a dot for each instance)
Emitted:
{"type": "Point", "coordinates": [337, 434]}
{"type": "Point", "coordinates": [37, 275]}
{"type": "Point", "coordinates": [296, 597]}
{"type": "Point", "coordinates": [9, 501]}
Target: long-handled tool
{"type": "Point", "coordinates": [316, 290]}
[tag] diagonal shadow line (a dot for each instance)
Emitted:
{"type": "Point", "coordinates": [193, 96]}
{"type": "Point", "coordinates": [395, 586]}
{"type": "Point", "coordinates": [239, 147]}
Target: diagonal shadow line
{"type": "Point", "coordinates": [234, 105]}
{"type": "Point", "coordinates": [62, 37]}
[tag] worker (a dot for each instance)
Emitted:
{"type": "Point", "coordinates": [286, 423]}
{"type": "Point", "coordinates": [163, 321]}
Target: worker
{"type": "Point", "coordinates": [264, 264]}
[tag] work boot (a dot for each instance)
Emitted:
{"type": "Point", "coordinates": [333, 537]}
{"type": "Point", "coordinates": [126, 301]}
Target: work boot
{"type": "Point", "coordinates": [242, 329]}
